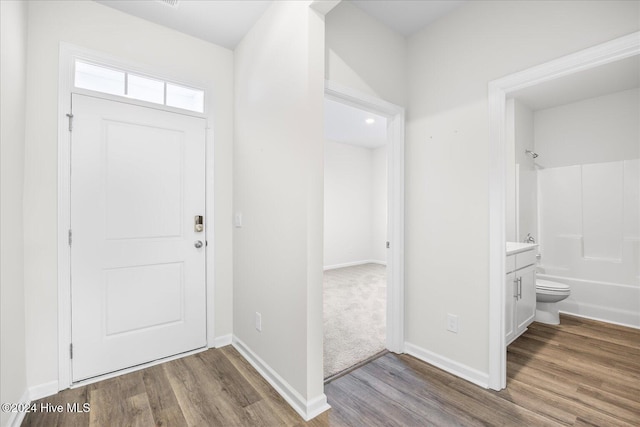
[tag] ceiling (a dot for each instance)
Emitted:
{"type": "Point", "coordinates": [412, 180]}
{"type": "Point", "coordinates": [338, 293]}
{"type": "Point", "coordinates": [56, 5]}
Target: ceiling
{"type": "Point", "coordinates": [225, 22]}
{"type": "Point", "coordinates": [605, 79]}
{"type": "Point", "coordinates": [222, 22]}
{"type": "Point", "coordinates": [348, 125]}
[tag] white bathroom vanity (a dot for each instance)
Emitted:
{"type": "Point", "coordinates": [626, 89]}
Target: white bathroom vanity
{"type": "Point", "coordinates": [520, 294]}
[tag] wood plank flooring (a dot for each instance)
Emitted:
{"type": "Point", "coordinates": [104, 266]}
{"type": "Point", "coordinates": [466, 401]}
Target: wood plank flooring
{"type": "Point", "coordinates": [581, 373]}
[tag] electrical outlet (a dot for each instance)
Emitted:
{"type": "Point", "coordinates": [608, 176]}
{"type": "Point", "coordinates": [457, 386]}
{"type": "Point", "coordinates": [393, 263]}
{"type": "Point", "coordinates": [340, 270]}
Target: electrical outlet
{"type": "Point", "coordinates": [258, 322]}
{"type": "Point", "coordinates": [452, 323]}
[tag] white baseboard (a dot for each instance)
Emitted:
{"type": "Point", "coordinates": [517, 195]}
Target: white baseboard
{"type": "Point", "coordinates": [31, 394]}
{"type": "Point", "coordinates": [316, 406]}
{"type": "Point", "coordinates": [43, 390]}
{"type": "Point", "coordinates": [354, 263]}
{"type": "Point", "coordinates": [458, 369]}
{"type": "Point", "coordinates": [222, 341]}
{"type": "Point", "coordinates": [16, 418]}
{"type": "Point", "coordinates": [307, 409]}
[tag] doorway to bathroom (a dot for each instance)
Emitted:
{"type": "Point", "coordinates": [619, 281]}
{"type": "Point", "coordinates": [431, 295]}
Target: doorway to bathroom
{"type": "Point", "coordinates": [576, 173]}
{"type": "Point", "coordinates": [583, 189]}
{"type": "Point", "coordinates": [363, 239]}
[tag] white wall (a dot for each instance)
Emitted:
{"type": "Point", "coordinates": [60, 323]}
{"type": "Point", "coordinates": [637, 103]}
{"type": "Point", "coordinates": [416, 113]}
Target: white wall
{"type": "Point", "coordinates": [364, 54]}
{"type": "Point", "coordinates": [447, 193]}
{"type": "Point", "coordinates": [348, 196]}
{"type": "Point", "coordinates": [601, 129]}
{"type": "Point", "coordinates": [91, 25]}
{"type": "Point", "coordinates": [355, 204]}
{"type": "Point", "coordinates": [589, 196]}
{"type": "Point", "coordinates": [13, 43]}
{"type": "Point", "coordinates": [278, 187]}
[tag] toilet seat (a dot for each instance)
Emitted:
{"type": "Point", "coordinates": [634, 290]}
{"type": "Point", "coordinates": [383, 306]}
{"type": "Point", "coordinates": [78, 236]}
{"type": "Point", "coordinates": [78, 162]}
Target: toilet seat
{"type": "Point", "coordinates": [549, 287]}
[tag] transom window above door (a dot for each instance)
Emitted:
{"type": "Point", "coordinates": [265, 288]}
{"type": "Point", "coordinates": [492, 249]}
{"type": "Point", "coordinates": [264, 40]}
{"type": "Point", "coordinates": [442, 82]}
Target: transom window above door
{"type": "Point", "coordinates": [131, 85]}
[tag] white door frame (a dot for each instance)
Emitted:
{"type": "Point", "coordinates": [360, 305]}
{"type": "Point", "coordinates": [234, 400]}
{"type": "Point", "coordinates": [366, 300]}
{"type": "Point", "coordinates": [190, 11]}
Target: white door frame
{"type": "Point", "coordinates": [395, 192]}
{"type": "Point", "coordinates": [67, 56]}
{"type": "Point", "coordinates": [499, 89]}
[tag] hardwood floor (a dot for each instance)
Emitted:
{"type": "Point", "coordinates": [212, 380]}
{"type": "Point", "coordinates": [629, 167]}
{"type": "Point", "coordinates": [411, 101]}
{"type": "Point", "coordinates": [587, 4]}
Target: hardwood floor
{"type": "Point", "coordinates": [581, 373]}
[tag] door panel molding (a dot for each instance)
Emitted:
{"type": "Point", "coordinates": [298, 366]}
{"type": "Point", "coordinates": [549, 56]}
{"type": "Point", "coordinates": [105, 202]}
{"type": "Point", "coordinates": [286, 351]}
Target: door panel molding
{"type": "Point", "coordinates": [138, 284]}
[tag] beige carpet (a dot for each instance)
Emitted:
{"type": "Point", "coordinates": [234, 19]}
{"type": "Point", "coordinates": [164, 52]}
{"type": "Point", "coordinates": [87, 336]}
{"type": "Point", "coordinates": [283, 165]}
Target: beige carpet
{"type": "Point", "coordinates": [355, 301]}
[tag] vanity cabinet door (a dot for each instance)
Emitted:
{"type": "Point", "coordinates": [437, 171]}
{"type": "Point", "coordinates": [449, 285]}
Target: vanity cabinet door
{"type": "Point", "coordinates": [510, 301]}
{"type": "Point", "coordinates": [526, 303]}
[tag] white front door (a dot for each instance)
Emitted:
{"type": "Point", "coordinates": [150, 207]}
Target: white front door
{"type": "Point", "coordinates": [137, 275]}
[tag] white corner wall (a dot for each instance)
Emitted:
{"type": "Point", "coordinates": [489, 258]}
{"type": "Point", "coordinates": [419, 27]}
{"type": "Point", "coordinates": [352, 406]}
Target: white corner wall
{"type": "Point", "coordinates": [13, 45]}
{"type": "Point", "coordinates": [278, 188]}
{"type": "Point", "coordinates": [447, 166]}
{"type": "Point", "coordinates": [355, 205]}
{"type": "Point", "coordinates": [364, 54]}
{"type": "Point", "coordinates": [97, 27]}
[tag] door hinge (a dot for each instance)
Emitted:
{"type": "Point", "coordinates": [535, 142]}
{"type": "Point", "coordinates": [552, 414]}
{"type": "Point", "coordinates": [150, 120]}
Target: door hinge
{"type": "Point", "coordinates": [70, 237]}
{"type": "Point", "coordinates": [70, 116]}
{"type": "Point", "coordinates": [388, 245]}
{"type": "Point", "coordinates": [71, 351]}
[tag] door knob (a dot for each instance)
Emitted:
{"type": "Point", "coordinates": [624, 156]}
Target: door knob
{"type": "Point", "coordinates": [198, 244]}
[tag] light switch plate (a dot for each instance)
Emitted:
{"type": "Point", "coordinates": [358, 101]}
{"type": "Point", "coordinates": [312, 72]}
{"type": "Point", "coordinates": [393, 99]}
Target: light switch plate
{"type": "Point", "coordinates": [258, 322]}
{"type": "Point", "coordinates": [452, 323]}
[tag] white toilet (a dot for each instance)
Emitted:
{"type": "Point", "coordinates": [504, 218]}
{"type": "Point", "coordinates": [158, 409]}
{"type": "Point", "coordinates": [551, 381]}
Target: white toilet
{"type": "Point", "coordinates": [548, 294]}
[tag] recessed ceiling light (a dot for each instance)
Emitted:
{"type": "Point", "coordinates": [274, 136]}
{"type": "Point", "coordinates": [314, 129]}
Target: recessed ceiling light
{"type": "Point", "coordinates": [370, 121]}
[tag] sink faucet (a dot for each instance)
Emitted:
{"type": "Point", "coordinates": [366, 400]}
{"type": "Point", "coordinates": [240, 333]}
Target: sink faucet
{"type": "Point", "coordinates": [529, 238]}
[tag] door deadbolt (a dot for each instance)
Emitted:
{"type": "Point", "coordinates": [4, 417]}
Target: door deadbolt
{"type": "Point", "coordinates": [198, 224]}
